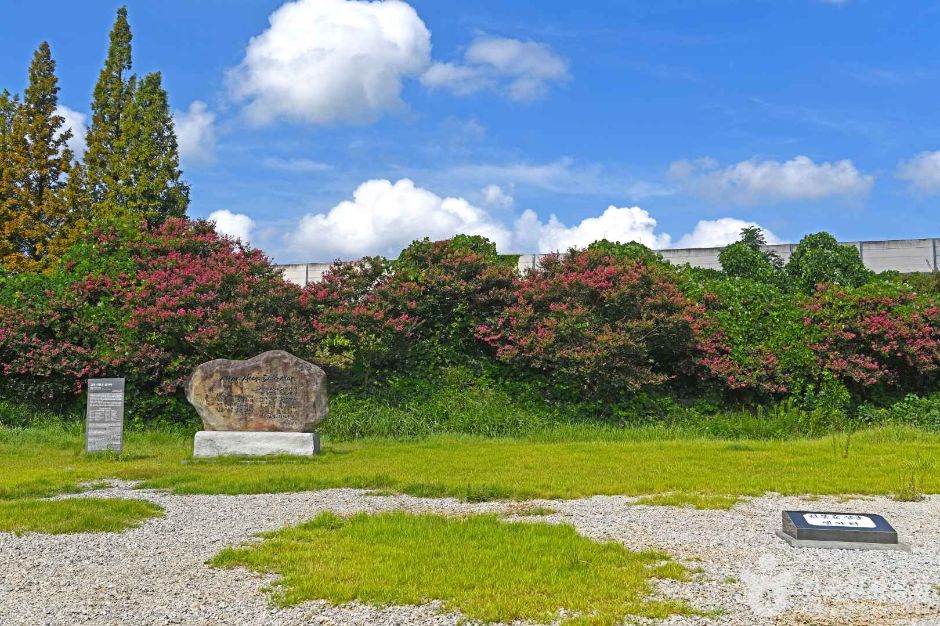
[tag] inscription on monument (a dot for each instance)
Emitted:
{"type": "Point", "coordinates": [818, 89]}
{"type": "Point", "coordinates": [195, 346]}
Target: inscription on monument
{"type": "Point", "coordinates": [274, 392]}
{"type": "Point", "coordinates": [104, 429]}
{"type": "Point", "coordinates": [837, 520]}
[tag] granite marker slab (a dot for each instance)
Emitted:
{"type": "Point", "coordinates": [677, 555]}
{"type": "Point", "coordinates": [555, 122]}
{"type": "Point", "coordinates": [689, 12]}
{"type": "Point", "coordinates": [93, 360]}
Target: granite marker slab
{"type": "Point", "coordinates": [839, 530]}
{"type": "Point", "coordinates": [104, 415]}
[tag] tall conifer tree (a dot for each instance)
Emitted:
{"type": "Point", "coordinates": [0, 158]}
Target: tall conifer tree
{"type": "Point", "coordinates": [39, 163]}
{"type": "Point", "coordinates": [131, 164]}
{"type": "Point", "coordinates": [153, 187]}
{"type": "Point", "coordinates": [104, 162]}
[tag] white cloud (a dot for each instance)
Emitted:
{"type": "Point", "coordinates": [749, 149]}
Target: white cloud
{"type": "Point", "coordinates": [560, 176]}
{"type": "Point", "coordinates": [76, 121]}
{"type": "Point", "coordinates": [459, 79]}
{"type": "Point", "coordinates": [237, 225]}
{"type": "Point", "coordinates": [922, 172]}
{"type": "Point", "coordinates": [615, 224]}
{"type": "Point", "coordinates": [384, 217]}
{"type": "Point", "coordinates": [323, 61]}
{"type": "Point", "coordinates": [720, 232]}
{"type": "Point", "coordinates": [195, 132]}
{"type": "Point", "coordinates": [295, 165]}
{"type": "Point", "coordinates": [494, 196]}
{"type": "Point", "coordinates": [752, 181]}
{"type": "Point", "coordinates": [520, 70]}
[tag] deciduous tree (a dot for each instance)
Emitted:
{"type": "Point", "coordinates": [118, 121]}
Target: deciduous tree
{"type": "Point", "coordinates": [35, 169]}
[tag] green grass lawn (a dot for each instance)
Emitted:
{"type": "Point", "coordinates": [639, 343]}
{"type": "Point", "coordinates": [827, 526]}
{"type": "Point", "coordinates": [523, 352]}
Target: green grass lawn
{"type": "Point", "coordinates": [488, 569]}
{"type": "Point", "coordinates": [44, 461]}
{"type": "Point", "coordinates": [74, 515]}
{"type": "Point", "coordinates": [690, 500]}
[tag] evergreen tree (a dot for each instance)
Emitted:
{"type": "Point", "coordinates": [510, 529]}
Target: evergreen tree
{"type": "Point", "coordinates": [8, 106]}
{"type": "Point", "coordinates": [153, 186]}
{"type": "Point", "coordinates": [131, 166]}
{"type": "Point", "coordinates": [104, 160]}
{"type": "Point", "coordinates": [39, 161]}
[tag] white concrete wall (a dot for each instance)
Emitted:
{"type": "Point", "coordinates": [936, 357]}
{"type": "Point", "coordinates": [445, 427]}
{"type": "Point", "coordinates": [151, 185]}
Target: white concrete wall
{"type": "Point", "coordinates": [304, 273]}
{"type": "Point", "coordinates": [902, 255]}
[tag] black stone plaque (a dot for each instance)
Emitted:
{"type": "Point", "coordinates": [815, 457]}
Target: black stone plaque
{"type": "Point", "coordinates": [842, 527]}
{"type": "Point", "coordinates": [104, 428]}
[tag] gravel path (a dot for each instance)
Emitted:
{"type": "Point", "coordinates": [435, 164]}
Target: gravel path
{"type": "Point", "coordinates": [156, 574]}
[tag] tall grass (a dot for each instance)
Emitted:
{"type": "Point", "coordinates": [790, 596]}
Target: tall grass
{"type": "Point", "coordinates": [459, 400]}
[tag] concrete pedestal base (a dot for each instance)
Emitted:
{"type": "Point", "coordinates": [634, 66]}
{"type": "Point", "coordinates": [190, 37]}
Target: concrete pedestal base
{"type": "Point", "coordinates": [238, 443]}
{"type": "Point", "coordinates": [841, 545]}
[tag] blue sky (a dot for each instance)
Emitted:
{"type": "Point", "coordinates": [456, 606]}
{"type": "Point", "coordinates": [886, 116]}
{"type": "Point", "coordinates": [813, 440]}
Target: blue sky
{"type": "Point", "coordinates": [331, 128]}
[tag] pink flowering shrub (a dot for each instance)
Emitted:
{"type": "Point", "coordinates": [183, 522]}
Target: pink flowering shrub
{"type": "Point", "coordinates": [597, 327]}
{"type": "Point", "coordinates": [372, 317]}
{"type": "Point", "coordinates": [882, 336]}
{"type": "Point", "coordinates": [754, 344]}
{"type": "Point", "coordinates": [357, 326]}
{"type": "Point", "coordinates": [453, 286]}
{"type": "Point", "coordinates": [147, 305]}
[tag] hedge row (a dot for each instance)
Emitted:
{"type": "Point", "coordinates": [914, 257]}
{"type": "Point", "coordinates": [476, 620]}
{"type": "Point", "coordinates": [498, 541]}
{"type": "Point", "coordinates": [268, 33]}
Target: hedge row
{"type": "Point", "coordinates": [596, 326]}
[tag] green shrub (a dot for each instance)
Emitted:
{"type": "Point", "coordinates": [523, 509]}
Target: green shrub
{"type": "Point", "coordinates": [590, 327]}
{"type": "Point", "coordinates": [821, 260]}
{"type": "Point", "coordinates": [912, 410]}
{"type": "Point", "coordinates": [755, 343]}
{"type": "Point", "coordinates": [632, 251]}
{"type": "Point", "coordinates": [456, 285]}
{"type": "Point", "coordinates": [747, 258]}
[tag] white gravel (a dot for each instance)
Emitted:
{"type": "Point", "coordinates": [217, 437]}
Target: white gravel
{"type": "Point", "coordinates": [156, 574]}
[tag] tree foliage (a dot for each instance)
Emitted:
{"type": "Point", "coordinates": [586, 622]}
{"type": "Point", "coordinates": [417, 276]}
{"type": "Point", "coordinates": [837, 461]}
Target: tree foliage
{"type": "Point", "coordinates": [749, 258]}
{"type": "Point", "coordinates": [821, 260]}
{"type": "Point", "coordinates": [130, 169]}
{"type": "Point", "coordinates": [151, 185]}
{"type": "Point", "coordinates": [594, 327]}
{"type": "Point", "coordinates": [35, 165]}
{"type": "Point", "coordinates": [113, 93]}
{"type": "Point", "coordinates": [132, 159]}
{"type": "Point", "coordinates": [145, 303]}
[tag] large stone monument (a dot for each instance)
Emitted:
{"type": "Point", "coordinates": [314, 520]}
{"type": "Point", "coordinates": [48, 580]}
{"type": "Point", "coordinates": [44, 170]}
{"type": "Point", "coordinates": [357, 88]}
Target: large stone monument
{"type": "Point", "coordinates": [268, 404]}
